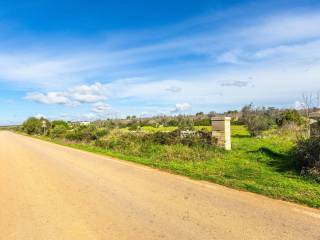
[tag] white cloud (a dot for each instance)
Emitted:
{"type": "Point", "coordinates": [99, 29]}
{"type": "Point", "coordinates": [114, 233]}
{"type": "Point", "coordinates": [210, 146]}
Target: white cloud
{"type": "Point", "coordinates": [49, 98]}
{"type": "Point", "coordinates": [308, 49]}
{"type": "Point", "coordinates": [283, 28]}
{"type": "Point", "coordinates": [101, 108]}
{"type": "Point", "coordinates": [181, 107]}
{"type": "Point", "coordinates": [298, 105]}
{"type": "Point", "coordinates": [88, 93]}
{"type": "Point", "coordinates": [228, 57]}
{"type": "Point", "coordinates": [72, 97]}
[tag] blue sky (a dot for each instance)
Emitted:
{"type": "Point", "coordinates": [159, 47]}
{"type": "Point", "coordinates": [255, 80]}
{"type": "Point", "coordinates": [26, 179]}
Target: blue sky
{"type": "Point", "coordinates": [85, 60]}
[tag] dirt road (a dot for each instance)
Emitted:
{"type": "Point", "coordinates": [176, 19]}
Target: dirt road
{"type": "Point", "coordinates": [53, 192]}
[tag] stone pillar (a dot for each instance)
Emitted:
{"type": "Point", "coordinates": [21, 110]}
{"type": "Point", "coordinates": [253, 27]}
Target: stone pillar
{"type": "Point", "coordinates": [221, 131]}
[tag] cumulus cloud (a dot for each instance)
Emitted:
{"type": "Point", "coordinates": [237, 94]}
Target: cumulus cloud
{"type": "Point", "coordinates": [88, 93]}
{"type": "Point", "coordinates": [72, 97]}
{"type": "Point", "coordinates": [49, 98]}
{"type": "Point", "coordinates": [181, 107]}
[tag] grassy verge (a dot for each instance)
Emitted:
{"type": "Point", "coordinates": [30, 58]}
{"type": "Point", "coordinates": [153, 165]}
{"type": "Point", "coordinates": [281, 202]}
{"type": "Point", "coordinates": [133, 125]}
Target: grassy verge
{"type": "Point", "coordinates": [263, 166]}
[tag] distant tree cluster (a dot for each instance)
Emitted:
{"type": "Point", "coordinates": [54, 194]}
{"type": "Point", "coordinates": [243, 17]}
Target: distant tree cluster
{"type": "Point", "coordinates": [34, 125]}
{"type": "Point", "coordinates": [261, 119]}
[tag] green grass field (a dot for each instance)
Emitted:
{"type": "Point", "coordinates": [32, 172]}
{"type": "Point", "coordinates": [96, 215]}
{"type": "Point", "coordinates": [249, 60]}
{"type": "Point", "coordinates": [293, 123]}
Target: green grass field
{"type": "Point", "coordinates": [260, 165]}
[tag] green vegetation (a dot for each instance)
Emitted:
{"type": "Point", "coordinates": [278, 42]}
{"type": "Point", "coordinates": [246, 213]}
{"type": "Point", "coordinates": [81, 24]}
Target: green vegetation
{"type": "Point", "coordinates": [35, 125]}
{"type": "Point", "coordinates": [257, 120]}
{"type": "Point", "coordinates": [290, 116]}
{"type": "Point", "coordinates": [264, 164]}
{"type": "Point", "coordinates": [308, 154]}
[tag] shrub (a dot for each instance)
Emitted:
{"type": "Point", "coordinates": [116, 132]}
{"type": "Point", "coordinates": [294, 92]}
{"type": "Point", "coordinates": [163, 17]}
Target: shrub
{"type": "Point", "coordinates": [124, 142]}
{"type": "Point", "coordinates": [308, 156]}
{"type": "Point", "coordinates": [164, 138]}
{"type": "Point", "coordinates": [33, 126]}
{"type": "Point", "coordinates": [134, 127]}
{"type": "Point", "coordinates": [258, 123]}
{"type": "Point", "coordinates": [256, 120]}
{"type": "Point", "coordinates": [56, 123]}
{"type": "Point", "coordinates": [100, 132]}
{"type": "Point", "coordinates": [131, 140]}
{"type": "Point", "coordinates": [199, 138]}
{"type": "Point", "coordinates": [81, 134]}
{"type": "Point", "coordinates": [172, 123]}
{"type": "Point", "coordinates": [289, 116]}
{"type": "Point", "coordinates": [58, 131]}
{"type": "Point", "coordinates": [162, 146]}
{"type": "Point", "coordinates": [202, 122]}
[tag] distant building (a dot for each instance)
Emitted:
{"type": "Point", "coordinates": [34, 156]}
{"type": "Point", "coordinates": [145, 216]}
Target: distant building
{"type": "Point", "coordinates": [77, 123]}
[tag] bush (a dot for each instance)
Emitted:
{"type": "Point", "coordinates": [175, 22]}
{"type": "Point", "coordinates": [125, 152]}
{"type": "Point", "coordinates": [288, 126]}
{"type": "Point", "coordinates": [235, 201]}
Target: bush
{"type": "Point", "coordinates": [256, 120]}
{"type": "Point", "coordinates": [308, 156]}
{"type": "Point", "coordinates": [289, 116]}
{"type": "Point", "coordinates": [256, 124]}
{"type": "Point", "coordinates": [81, 134]}
{"type": "Point", "coordinates": [134, 127]}
{"type": "Point", "coordinates": [120, 140]}
{"type": "Point", "coordinates": [164, 138]}
{"type": "Point", "coordinates": [202, 122]}
{"type": "Point", "coordinates": [58, 131]}
{"type": "Point", "coordinates": [124, 142]}
{"type": "Point", "coordinates": [162, 146]}
{"type": "Point", "coordinates": [56, 123]}
{"type": "Point", "coordinates": [33, 125]}
{"type": "Point", "coordinates": [199, 138]}
{"type": "Point", "coordinates": [100, 132]}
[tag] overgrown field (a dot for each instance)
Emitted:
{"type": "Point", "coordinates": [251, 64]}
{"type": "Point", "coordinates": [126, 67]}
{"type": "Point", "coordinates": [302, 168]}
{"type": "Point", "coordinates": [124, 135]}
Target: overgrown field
{"type": "Point", "coordinates": [262, 165]}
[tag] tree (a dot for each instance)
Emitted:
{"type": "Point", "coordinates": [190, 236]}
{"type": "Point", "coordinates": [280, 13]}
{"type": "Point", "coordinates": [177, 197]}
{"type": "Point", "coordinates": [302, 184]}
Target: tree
{"type": "Point", "coordinates": [32, 126]}
{"type": "Point", "coordinates": [258, 123]}
{"type": "Point", "coordinates": [307, 103]}
{"type": "Point", "coordinates": [310, 101]}
{"type": "Point", "coordinates": [256, 119]}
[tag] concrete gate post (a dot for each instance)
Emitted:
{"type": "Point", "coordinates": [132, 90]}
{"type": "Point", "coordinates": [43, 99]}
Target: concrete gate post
{"type": "Point", "coordinates": [221, 131]}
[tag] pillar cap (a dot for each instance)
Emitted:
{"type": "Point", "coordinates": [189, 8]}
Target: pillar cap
{"type": "Point", "coordinates": [221, 118]}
